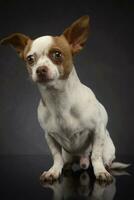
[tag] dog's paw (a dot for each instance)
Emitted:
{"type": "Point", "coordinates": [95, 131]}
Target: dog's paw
{"type": "Point", "coordinates": [104, 177]}
{"type": "Point", "coordinates": [51, 175]}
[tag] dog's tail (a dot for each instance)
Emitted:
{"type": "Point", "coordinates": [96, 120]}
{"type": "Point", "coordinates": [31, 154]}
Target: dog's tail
{"type": "Point", "coordinates": [119, 165]}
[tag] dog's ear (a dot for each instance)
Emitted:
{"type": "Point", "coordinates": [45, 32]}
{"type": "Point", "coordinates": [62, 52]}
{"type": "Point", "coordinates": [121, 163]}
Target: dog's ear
{"type": "Point", "coordinates": [18, 41]}
{"type": "Point", "coordinates": [77, 34]}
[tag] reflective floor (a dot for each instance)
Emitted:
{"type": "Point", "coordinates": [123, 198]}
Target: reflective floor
{"type": "Point", "coordinates": [19, 179]}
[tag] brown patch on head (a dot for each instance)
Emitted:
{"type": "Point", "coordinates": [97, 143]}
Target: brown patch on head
{"type": "Point", "coordinates": [25, 52]}
{"type": "Point", "coordinates": [69, 43]}
{"type": "Point", "coordinates": [18, 40]}
{"type": "Point", "coordinates": [66, 63]}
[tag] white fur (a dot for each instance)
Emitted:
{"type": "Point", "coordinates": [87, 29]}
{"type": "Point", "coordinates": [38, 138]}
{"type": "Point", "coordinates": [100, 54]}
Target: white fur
{"type": "Point", "coordinates": [41, 45]}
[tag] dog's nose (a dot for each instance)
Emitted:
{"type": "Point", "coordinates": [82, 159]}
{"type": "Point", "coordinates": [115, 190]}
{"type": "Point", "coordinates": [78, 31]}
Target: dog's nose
{"type": "Point", "coordinates": [42, 70]}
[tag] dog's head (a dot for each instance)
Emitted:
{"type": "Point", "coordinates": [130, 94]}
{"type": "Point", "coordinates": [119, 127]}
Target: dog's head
{"type": "Point", "coordinates": [50, 58]}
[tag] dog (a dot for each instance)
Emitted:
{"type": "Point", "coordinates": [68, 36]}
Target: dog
{"type": "Point", "coordinates": [74, 121]}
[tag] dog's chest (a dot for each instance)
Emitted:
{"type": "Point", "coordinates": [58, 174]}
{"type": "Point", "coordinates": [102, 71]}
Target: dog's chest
{"type": "Point", "coordinates": [62, 121]}
{"type": "Point", "coordinates": [70, 133]}
{"type": "Point", "coordinates": [67, 126]}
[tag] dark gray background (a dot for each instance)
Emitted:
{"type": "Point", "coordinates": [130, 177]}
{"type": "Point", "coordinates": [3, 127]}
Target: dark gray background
{"type": "Point", "coordinates": [105, 65]}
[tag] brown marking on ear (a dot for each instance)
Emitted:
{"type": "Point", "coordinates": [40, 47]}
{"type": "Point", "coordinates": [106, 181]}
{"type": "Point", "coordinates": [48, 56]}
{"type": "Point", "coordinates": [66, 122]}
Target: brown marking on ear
{"type": "Point", "coordinates": [25, 52]}
{"type": "Point", "coordinates": [77, 34]}
{"type": "Point", "coordinates": [18, 41]}
{"type": "Point", "coordinates": [27, 48]}
{"type": "Point", "coordinates": [67, 63]}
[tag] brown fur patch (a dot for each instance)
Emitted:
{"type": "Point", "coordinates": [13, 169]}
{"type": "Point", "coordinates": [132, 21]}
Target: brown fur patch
{"type": "Point", "coordinates": [25, 52]}
{"type": "Point", "coordinates": [61, 43]}
{"type": "Point", "coordinates": [77, 34]}
{"type": "Point", "coordinates": [27, 48]}
{"type": "Point", "coordinates": [17, 40]}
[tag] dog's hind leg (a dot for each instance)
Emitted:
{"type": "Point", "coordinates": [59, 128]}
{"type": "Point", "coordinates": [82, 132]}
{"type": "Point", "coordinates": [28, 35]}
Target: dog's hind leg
{"type": "Point", "coordinates": [109, 155]}
{"type": "Point", "coordinates": [108, 151]}
{"type": "Point", "coordinates": [100, 171]}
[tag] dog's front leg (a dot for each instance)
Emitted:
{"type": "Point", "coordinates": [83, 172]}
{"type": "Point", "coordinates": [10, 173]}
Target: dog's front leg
{"type": "Point", "coordinates": [98, 143]}
{"type": "Point", "coordinates": [55, 171]}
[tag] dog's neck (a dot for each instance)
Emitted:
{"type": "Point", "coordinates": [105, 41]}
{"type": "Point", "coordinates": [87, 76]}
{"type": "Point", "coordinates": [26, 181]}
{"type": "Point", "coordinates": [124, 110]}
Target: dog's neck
{"type": "Point", "coordinates": [59, 92]}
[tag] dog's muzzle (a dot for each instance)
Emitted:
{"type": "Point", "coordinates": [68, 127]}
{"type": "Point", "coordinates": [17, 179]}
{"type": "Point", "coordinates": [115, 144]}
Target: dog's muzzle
{"type": "Point", "coordinates": [43, 74]}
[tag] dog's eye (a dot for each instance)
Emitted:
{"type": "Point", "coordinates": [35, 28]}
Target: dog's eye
{"type": "Point", "coordinates": [30, 59]}
{"type": "Point", "coordinates": [57, 55]}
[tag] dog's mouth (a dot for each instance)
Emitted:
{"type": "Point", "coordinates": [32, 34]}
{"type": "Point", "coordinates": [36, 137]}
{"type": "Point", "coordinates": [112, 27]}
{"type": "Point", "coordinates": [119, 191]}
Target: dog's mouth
{"type": "Point", "coordinates": [44, 79]}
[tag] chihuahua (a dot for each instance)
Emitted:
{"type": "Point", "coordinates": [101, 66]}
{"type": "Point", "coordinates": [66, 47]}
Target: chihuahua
{"type": "Point", "coordinates": [74, 121]}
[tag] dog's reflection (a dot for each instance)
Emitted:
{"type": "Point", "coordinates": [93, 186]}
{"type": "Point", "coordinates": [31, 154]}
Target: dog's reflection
{"type": "Point", "coordinates": [82, 184]}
